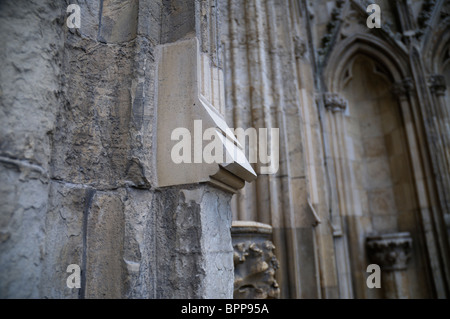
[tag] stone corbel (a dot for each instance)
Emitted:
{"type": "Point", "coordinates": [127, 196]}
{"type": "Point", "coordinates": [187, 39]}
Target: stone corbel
{"type": "Point", "coordinates": [436, 82]}
{"type": "Point", "coordinates": [183, 74]}
{"type": "Point", "coordinates": [334, 102]}
{"type": "Point", "coordinates": [403, 88]}
{"type": "Point", "coordinates": [392, 253]}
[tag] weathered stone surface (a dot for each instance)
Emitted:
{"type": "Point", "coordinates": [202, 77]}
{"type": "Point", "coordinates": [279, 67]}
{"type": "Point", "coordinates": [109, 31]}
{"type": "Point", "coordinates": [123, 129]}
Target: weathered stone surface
{"type": "Point", "coordinates": [92, 138]}
{"type": "Point", "coordinates": [30, 54]}
{"type": "Point", "coordinates": [65, 239]}
{"type": "Point", "coordinates": [79, 118]}
{"type": "Point", "coordinates": [139, 243]}
{"type": "Point", "coordinates": [22, 232]}
{"type": "Point", "coordinates": [104, 264]}
{"type": "Point", "coordinates": [195, 254]}
{"type": "Point", "coordinates": [118, 22]}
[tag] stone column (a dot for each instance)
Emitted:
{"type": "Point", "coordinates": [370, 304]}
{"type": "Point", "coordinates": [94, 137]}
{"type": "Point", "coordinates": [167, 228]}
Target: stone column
{"type": "Point", "coordinates": [336, 105]}
{"type": "Point", "coordinates": [423, 141]}
{"type": "Point", "coordinates": [392, 253]}
{"type": "Point", "coordinates": [437, 85]}
{"type": "Point", "coordinates": [254, 261]}
{"type": "Point", "coordinates": [263, 82]}
{"type": "Point", "coordinates": [342, 193]}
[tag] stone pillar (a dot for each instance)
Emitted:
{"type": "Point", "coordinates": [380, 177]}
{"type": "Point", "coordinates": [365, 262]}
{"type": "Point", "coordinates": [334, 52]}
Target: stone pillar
{"type": "Point", "coordinates": [437, 85]}
{"type": "Point", "coordinates": [262, 42]}
{"type": "Point", "coordinates": [31, 54]}
{"type": "Point", "coordinates": [254, 261]}
{"type": "Point", "coordinates": [423, 138]}
{"type": "Point", "coordinates": [392, 253]}
{"type": "Point", "coordinates": [342, 193]}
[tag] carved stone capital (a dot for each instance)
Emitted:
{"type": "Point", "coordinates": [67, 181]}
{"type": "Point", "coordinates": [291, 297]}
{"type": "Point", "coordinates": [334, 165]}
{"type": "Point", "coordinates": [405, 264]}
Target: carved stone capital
{"type": "Point", "coordinates": [254, 261]}
{"type": "Point", "coordinates": [401, 89]}
{"type": "Point", "coordinates": [436, 82]}
{"type": "Point", "coordinates": [335, 102]}
{"type": "Point", "coordinates": [390, 251]}
{"type": "Point", "coordinates": [300, 48]}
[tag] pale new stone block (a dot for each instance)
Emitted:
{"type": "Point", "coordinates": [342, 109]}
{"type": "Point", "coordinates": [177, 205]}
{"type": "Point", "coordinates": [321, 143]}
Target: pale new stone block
{"type": "Point", "coordinates": [215, 81]}
{"type": "Point", "coordinates": [181, 105]}
{"type": "Point", "coordinates": [206, 77]}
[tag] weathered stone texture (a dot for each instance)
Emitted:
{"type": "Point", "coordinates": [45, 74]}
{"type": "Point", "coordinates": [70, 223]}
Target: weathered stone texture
{"type": "Point", "coordinates": [30, 54]}
{"type": "Point", "coordinates": [76, 160]}
{"type": "Point", "coordinates": [196, 240]}
{"type": "Point", "coordinates": [364, 143]}
{"type": "Point", "coordinates": [64, 237]}
{"type": "Point", "coordinates": [22, 232]}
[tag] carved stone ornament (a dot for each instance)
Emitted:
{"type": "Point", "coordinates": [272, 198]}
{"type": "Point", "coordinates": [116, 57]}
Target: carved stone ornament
{"type": "Point", "coordinates": [254, 261]}
{"type": "Point", "coordinates": [299, 47]}
{"type": "Point", "coordinates": [334, 102]}
{"type": "Point", "coordinates": [390, 251]}
{"type": "Point", "coordinates": [436, 82]}
{"type": "Point", "coordinates": [424, 17]}
{"type": "Point", "coordinates": [401, 89]}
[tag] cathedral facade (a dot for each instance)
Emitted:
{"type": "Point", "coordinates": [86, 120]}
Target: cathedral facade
{"type": "Point", "coordinates": [332, 116]}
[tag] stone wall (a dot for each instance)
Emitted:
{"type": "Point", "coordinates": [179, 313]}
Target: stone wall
{"type": "Point", "coordinates": [364, 142]}
{"type": "Point", "coordinates": [31, 53]}
{"type": "Point", "coordinates": [78, 126]}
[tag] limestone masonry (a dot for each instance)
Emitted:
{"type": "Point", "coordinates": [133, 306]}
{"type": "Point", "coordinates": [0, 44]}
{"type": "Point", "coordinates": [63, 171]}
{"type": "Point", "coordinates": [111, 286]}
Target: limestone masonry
{"type": "Point", "coordinates": [90, 98]}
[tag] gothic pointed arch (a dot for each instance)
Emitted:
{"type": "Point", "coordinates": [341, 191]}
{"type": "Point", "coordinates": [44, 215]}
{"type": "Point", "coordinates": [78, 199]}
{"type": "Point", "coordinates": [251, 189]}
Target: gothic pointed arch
{"type": "Point", "coordinates": [392, 58]}
{"type": "Point", "coordinates": [437, 47]}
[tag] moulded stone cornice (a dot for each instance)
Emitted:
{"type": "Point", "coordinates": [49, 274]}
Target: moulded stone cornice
{"type": "Point", "coordinates": [335, 102]}
{"type": "Point", "coordinates": [402, 88]}
{"type": "Point", "coordinates": [390, 251]}
{"type": "Point", "coordinates": [436, 82]}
